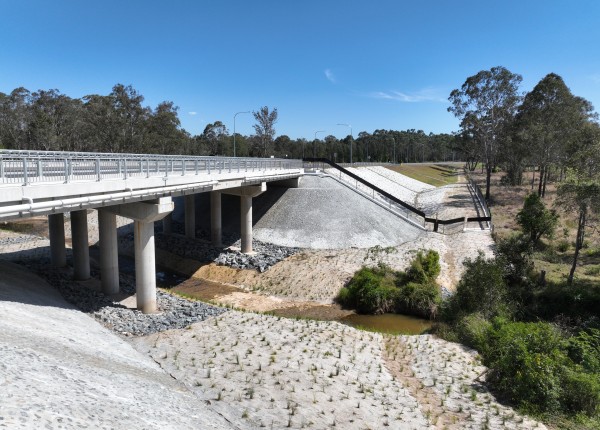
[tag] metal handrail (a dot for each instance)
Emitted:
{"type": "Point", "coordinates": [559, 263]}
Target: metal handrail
{"type": "Point", "coordinates": [409, 209]}
{"type": "Point", "coordinates": [18, 167]}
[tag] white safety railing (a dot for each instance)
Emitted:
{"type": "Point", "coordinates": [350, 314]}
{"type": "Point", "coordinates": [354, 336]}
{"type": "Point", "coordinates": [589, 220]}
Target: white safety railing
{"type": "Point", "coordinates": [27, 167]}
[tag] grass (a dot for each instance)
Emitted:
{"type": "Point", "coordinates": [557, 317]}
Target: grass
{"type": "Point", "coordinates": [437, 174]}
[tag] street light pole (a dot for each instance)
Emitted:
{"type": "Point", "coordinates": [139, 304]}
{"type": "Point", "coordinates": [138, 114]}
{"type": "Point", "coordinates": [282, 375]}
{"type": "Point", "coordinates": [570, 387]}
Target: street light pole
{"type": "Point", "coordinates": [315, 143]}
{"type": "Point", "coordinates": [237, 113]}
{"type": "Point", "coordinates": [351, 139]}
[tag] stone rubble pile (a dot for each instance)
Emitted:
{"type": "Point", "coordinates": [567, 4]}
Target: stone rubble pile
{"type": "Point", "coordinates": [264, 255]}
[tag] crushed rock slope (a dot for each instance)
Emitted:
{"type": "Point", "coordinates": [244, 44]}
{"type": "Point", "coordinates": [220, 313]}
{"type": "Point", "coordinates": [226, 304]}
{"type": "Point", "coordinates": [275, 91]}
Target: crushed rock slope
{"type": "Point", "coordinates": [322, 214]}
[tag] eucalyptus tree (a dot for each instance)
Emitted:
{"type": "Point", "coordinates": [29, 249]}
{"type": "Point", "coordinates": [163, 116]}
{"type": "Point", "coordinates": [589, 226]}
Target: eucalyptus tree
{"type": "Point", "coordinates": [213, 137]}
{"type": "Point", "coordinates": [580, 192]}
{"type": "Point", "coordinates": [164, 133]}
{"type": "Point", "coordinates": [486, 105]}
{"type": "Point", "coordinates": [549, 123]}
{"type": "Point", "coordinates": [265, 127]}
{"type": "Point", "coordinates": [15, 117]}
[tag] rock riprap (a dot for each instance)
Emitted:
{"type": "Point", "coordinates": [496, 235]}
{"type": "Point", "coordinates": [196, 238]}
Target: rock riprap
{"type": "Point", "coordinates": [174, 312]}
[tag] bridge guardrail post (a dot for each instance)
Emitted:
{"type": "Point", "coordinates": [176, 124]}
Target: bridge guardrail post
{"type": "Point", "coordinates": [25, 178]}
{"type": "Point", "coordinates": [39, 168]}
{"type": "Point", "coordinates": [196, 166]}
{"type": "Point", "coordinates": [1, 169]}
{"type": "Point", "coordinates": [147, 168]}
{"type": "Point", "coordinates": [97, 164]}
{"type": "Point", "coordinates": [125, 168]}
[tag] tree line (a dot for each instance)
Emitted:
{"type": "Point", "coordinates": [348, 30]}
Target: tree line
{"type": "Point", "coordinates": [545, 128]}
{"type": "Point", "coordinates": [120, 122]}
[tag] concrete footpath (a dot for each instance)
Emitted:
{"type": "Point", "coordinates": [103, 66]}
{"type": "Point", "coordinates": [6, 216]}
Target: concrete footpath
{"type": "Point", "coordinates": [61, 369]}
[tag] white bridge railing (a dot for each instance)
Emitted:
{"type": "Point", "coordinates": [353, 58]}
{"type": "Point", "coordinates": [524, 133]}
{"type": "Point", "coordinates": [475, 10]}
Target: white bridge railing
{"type": "Point", "coordinates": [27, 167]}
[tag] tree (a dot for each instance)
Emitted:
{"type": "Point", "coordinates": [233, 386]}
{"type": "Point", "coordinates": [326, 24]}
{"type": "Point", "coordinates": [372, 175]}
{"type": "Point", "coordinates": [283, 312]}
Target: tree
{"type": "Point", "coordinates": [264, 127]}
{"type": "Point", "coordinates": [486, 105]}
{"type": "Point", "coordinates": [536, 220]}
{"type": "Point", "coordinates": [581, 190]}
{"type": "Point", "coordinates": [164, 133]}
{"type": "Point", "coordinates": [548, 123]}
{"type": "Point", "coordinates": [213, 136]}
{"type": "Point", "coordinates": [15, 117]}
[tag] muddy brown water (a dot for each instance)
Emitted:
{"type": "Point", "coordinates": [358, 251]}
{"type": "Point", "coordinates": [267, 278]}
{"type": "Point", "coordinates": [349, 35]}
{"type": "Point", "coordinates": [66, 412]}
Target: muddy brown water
{"type": "Point", "coordinates": [388, 323]}
{"type": "Point", "coordinates": [201, 289]}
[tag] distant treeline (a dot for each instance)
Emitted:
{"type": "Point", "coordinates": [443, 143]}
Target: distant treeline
{"type": "Point", "coordinates": [119, 122]}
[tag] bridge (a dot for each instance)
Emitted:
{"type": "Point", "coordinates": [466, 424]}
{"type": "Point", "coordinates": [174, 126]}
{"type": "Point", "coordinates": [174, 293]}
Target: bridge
{"type": "Point", "coordinates": [135, 186]}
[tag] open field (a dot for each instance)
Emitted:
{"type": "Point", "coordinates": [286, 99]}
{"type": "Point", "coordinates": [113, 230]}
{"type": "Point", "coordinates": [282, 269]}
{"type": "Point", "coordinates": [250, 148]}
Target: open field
{"type": "Point", "coordinates": [436, 174]}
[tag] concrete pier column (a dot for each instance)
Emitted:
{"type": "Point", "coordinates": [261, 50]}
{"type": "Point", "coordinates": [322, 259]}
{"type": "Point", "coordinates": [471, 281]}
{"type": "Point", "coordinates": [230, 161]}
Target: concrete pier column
{"type": "Point", "coordinates": [81, 250]}
{"type": "Point", "coordinates": [246, 194]}
{"type": "Point", "coordinates": [167, 224]}
{"type": "Point", "coordinates": [216, 228]}
{"type": "Point", "coordinates": [109, 252]}
{"type": "Point", "coordinates": [145, 269]}
{"type": "Point", "coordinates": [144, 215]}
{"type": "Point", "coordinates": [56, 230]}
{"type": "Point", "coordinates": [246, 227]}
{"type": "Point", "coordinates": [190, 216]}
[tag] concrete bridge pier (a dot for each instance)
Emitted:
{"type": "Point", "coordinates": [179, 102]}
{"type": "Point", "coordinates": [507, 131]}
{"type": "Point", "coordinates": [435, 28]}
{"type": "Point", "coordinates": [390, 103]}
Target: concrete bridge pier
{"type": "Point", "coordinates": [190, 216]}
{"type": "Point", "coordinates": [56, 230]}
{"type": "Point", "coordinates": [144, 215]}
{"type": "Point", "coordinates": [109, 252]}
{"type": "Point", "coordinates": [81, 250]}
{"type": "Point", "coordinates": [246, 194]}
{"type": "Point", "coordinates": [216, 229]}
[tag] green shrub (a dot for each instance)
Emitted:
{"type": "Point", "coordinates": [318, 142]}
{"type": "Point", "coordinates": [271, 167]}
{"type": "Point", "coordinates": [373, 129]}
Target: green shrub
{"type": "Point", "coordinates": [473, 330]}
{"type": "Point", "coordinates": [423, 269]}
{"type": "Point", "coordinates": [584, 349]}
{"type": "Point", "coordinates": [563, 245]}
{"type": "Point", "coordinates": [580, 392]}
{"type": "Point", "coordinates": [481, 289]}
{"type": "Point", "coordinates": [419, 299]}
{"type": "Point", "coordinates": [535, 220]}
{"type": "Point", "coordinates": [527, 362]}
{"type": "Point", "coordinates": [381, 289]}
{"type": "Point", "coordinates": [370, 291]}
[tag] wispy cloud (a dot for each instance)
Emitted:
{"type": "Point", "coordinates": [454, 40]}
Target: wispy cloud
{"type": "Point", "coordinates": [424, 95]}
{"type": "Point", "coordinates": [330, 76]}
{"type": "Point", "coordinates": [192, 113]}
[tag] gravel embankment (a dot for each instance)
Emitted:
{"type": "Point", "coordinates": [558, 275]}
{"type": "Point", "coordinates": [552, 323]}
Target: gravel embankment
{"type": "Point", "coordinates": [323, 214]}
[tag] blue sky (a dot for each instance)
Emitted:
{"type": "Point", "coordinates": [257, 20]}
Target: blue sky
{"type": "Point", "coordinates": [373, 64]}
